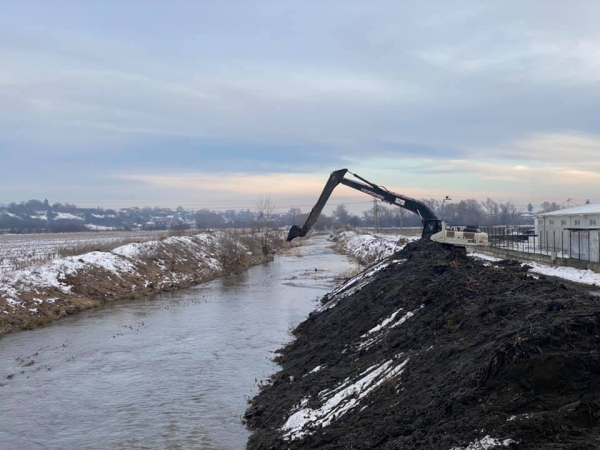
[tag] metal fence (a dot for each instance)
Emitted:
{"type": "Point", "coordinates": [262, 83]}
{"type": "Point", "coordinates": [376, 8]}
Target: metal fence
{"type": "Point", "coordinates": [583, 245]}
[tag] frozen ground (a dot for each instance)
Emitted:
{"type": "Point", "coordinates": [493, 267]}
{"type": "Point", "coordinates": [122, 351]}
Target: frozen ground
{"type": "Point", "coordinates": [374, 247]}
{"type": "Point", "coordinates": [369, 248]}
{"type": "Point", "coordinates": [35, 293]}
{"type": "Point", "coordinates": [434, 349]}
{"type": "Point", "coordinates": [16, 284]}
{"type": "Point", "coordinates": [18, 251]}
{"type": "Point", "coordinates": [566, 273]}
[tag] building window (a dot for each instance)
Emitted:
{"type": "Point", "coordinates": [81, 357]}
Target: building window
{"type": "Point", "coordinates": [577, 222]}
{"type": "Point", "coordinates": [551, 222]}
{"type": "Point", "coordinates": [592, 221]}
{"type": "Point", "coordinates": [563, 222]}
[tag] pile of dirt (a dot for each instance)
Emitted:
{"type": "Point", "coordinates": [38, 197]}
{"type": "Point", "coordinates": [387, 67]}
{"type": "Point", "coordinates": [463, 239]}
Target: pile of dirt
{"type": "Point", "coordinates": [436, 350]}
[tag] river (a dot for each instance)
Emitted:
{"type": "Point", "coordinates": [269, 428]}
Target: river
{"type": "Point", "coordinates": [174, 371]}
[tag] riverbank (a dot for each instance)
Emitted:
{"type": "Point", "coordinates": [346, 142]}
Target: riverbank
{"type": "Point", "coordinates": [173, 370]}
{"type": "Point", "coordinates": [367, 247]}
{"type": "Point", "coordinates": [65, 286]}
{"type": "Point", "coordinates": [433, 349]}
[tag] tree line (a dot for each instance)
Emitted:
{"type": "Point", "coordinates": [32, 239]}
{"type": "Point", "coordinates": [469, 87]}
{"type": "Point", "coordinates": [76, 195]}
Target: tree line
{"type": "Point", "coordinates": [36, 215]}
{"type": "Point", "coordinates": [464, 212]}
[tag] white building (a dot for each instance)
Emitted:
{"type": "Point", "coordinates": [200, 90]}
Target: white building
{"type": "Point", "coordinates": [575, 232]}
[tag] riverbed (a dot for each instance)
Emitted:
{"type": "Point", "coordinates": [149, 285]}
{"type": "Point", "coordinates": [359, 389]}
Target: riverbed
{"type": "Point", "coordinates": [173, 371]}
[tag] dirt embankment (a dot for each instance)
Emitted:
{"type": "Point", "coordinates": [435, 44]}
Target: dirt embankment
{"type": "Point", "coordinates": [65, 286]}
{"type": "Point", "coordinates": [435, 350]}
{"type": "Point", "coordinates": [368, 248]}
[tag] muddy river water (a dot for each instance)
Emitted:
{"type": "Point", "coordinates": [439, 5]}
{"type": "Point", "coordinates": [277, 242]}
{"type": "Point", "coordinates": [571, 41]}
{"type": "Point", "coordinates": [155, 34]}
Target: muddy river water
{"type": "Point", "coordinates": [174, 371]}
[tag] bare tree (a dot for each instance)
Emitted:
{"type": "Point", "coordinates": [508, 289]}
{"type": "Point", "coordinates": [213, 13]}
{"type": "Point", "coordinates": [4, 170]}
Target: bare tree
{"type": "Point", "coordinates": [375, 214]}
{"type": "Point", "coordinates": [435, 206]}
{"type": "Point", "coordinates": [492, 209]}
{"type": "Point", "coordinates": [265, 208]}
{"type": "Point", "coordinates": [341, 216]}
{"type": "Point", "coordinates": [508, 212]}
{"type": "Point", "coordinates": [549, 207]}
{"type": "Point", "coordinates": [466, 212]}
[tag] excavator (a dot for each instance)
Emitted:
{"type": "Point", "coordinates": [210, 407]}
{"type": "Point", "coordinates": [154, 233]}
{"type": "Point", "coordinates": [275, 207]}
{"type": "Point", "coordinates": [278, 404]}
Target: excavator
{"type": "Point", "coordinates": [433, 228]}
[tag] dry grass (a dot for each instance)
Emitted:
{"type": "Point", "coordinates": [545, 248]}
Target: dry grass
{"type": "Point", "coordinates": [349, 274]}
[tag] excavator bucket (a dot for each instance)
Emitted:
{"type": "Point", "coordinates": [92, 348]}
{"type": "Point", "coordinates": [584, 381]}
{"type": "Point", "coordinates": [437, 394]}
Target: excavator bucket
{"type": "Point", "coordinates": [294, 232]}
{"type": "Point", "coordinates": [334, 179]}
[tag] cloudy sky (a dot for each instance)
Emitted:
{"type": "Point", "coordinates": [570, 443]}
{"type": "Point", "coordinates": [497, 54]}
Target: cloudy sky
{"type": "Point", "coordinates": [212, 104]}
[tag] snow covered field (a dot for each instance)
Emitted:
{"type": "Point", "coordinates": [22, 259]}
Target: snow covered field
{"type": "Point", "coordinates": [18, 251]}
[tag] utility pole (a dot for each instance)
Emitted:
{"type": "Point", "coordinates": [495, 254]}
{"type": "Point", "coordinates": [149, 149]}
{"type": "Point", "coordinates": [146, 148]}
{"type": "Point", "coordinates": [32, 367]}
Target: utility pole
{"type": "Point", "coordinates": [401, 218]}
{"type": "Point", "coordinates": [375, 215]}
{"type": "Point", "coordinates": [443, 208]}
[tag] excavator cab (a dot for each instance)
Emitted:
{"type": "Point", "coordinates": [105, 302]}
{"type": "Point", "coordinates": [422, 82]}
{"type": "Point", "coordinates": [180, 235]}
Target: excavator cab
{"type": "Point", "coordinates": [430, 227]}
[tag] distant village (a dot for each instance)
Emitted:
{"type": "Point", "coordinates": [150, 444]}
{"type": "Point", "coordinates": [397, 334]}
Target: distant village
{"type": "Point", "coordinates": [36, 216]}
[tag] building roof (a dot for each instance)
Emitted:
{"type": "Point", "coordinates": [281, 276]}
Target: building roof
{"type": "Point", "coordinates": [592, 208]}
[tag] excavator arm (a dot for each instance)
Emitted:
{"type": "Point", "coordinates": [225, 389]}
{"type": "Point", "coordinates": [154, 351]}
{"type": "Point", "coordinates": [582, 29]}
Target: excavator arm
{"type": "Point", "coordinates": [431, 223]}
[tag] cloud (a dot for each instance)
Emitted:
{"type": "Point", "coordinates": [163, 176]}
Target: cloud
{"type": "Point", "coordinates": [500, 170]}
{"type": "Point", "coordinates": [464, 97]}
{"type": "Point", "coordinates": [573, 148]}
{"type": "Point", "coordinates": [237, 183]}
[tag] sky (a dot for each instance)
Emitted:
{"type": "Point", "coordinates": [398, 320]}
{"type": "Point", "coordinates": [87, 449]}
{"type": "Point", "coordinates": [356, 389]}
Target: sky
{"type": "Point", "coordinates": [214, 104]}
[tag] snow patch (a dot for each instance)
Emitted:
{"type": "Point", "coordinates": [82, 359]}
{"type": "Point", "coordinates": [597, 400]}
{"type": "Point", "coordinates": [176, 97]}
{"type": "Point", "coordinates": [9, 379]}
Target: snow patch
{"type": "Point", "coordinates": [91, 226]}
{"type": "Point", "coordinates": [484, 257]}
{"type": "Point", "coordinates": [66, 216]}
{"type": "Point", "coordinates": [486, 443]}
{"type": "Point", "coordinates": [370, 248]}
{"type": "Point", "coordinates": [353, 285]}
{"type": "Point", "coordinates": [385, 324]}
{"type": "Point", "coordinates": [339, 401]}
{"type": "Point", "coordinates": [566, 273]}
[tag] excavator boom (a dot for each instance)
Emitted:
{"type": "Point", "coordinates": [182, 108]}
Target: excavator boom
{"type": "Point", "coordinates": [430, 221]}
{"type": "Point", "coordinates": [433, 228]}
{"type": "Point", "coordinates": [334, 179]}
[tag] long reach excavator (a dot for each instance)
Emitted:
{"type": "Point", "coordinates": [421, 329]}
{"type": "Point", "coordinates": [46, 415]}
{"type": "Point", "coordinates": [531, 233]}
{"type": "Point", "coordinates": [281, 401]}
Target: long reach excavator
{"type": "Point", "coordinates": [433, 228]}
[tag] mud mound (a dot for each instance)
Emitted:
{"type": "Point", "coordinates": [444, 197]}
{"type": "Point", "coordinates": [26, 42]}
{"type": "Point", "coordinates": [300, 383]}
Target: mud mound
{"type": "Point", "coordinates": [436, 350]}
